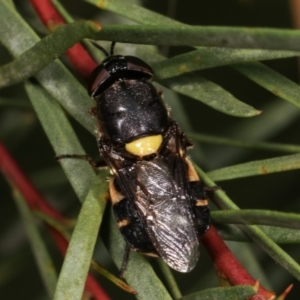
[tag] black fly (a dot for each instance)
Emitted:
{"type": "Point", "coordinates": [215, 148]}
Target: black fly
{"type": "Point", "coordinates": [158, 199]}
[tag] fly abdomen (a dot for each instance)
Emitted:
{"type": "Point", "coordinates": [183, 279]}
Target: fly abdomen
{"type": "Point", "coordinates": [129, 223]}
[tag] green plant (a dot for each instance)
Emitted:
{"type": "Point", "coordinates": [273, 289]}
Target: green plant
{"type": "Point", "coordinates": [54, 84]}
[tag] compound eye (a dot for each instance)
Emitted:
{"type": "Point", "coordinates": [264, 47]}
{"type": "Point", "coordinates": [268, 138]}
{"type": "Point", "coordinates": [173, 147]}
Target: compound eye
{"type": "Point", "coordinates": [97, 78]}
{"type": "Point", "coordinates": [138, 65]}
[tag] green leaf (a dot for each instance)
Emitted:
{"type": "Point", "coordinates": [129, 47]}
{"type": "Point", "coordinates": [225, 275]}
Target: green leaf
{"type": "Point", "coordinates": [210, 36]}
{"type": "Point", "coordinates": [241, 292]}
{"type": "Point", "coordinates": [133, 12]}
{"type": "Point", "coordinates": [43, 259]}
{"type": "Point", "coordinates": [211, 94]}
{"type": "Point", "coordinates": [282, 235]}
{"type": "Point", "coordinates": [16, 43]}
{"type": "Point", "coordinates": [169, 279]}
{"type": "Point", "coordinates": [86, 185]}
{"type": "Point", "coordinates": [65, 89]}
{"type": "Point", "coordinates": [76, 265]}
{"type": "Point", "coordinates": [45, 51]}
{"type": "Point", "coordinates": [211, 139]}
{"type": "Point", "coordinates": [56, 79]}
{"type": "Point", "coordinates": [277, 116]}
{"type": "Point", "coordinates": [259, 167]}
{"type": "Point", "coordinates": [63, 139]}
{"type": "Point", "coordinates": [272, 81]}
{"type": "Point", "coordinates": [277, 253]}
{"type": "Point", "coordinates": [259, 217]}
{"type": "Point", "coordinates": [205, 58]}
{"type": "Point", "coordinates": [64, 229]}
{"type": "Point", "coordinates": [278, 234]}
{"type": "Point", "coordinates": [62, 11]}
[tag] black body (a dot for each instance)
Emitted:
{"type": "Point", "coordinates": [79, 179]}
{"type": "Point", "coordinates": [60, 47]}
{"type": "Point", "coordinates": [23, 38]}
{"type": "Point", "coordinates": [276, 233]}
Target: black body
{"type": "Point", "coordinates": [128, 108]}
{"type": "Point", "coordinates": [158, 200]}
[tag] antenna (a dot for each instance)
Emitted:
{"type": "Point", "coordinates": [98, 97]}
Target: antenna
{"type": "Point", "coordinates": [100, 48]}
{"type": "Point", "coordinates": [112, 46]}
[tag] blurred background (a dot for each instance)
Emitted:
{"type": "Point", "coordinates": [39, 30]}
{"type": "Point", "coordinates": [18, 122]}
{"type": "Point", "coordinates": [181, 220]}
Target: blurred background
{"type": "Point", "coordinates": [22, 134]}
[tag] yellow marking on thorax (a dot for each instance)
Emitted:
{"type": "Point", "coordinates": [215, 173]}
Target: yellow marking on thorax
{"type": "Point", "coordinates": [145, 145]}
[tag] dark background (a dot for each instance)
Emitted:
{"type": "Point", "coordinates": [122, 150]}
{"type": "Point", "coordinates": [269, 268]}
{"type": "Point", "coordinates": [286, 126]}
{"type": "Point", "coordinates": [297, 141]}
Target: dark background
{"type": "Point", "coordinates": [22, 134]}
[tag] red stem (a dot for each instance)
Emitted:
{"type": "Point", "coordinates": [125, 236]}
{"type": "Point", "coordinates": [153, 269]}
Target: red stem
{"type": "Point", "coordinates": [227, 265]}
{"type": "Point", "coordinates": [13, 173]}
{"type": "Point", "coordinates": [35, 201]}
{"type": "Point", "coordinates": [79, 57]}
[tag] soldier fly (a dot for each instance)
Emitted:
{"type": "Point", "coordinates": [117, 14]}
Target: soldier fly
{"type": "Point", "coordinates": [158, 200]}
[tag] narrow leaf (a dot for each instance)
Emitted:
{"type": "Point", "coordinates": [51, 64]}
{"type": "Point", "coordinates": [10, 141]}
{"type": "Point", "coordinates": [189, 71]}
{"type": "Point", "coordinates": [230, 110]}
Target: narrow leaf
{"type": "Point", "coordinates": [232, 37]}
{"type": "Point", "coordinates": [277, 253]}
{"type": "Point", "coordinates": [211, 94]}
{"type": "Point", "coordinates": [56, 79]}
{"type": "Point", "coordinates": [241, 292]}
{"type": "Point", "coordinates": [82, 178]}
{"type": "Point", "coordinates": [44, 262]}
{"type": "Point", "coordinates": [282, 235]}
{"type": "Point", "coordinates": [259, 167]}
{"type": "Point", "coordinates": [65, 89]}
{"type": "Point", "coordinates": [133, 12]}
{"type": "Point", "coordinates": [170, 279]}
{"type": "Point", "coordinates": [76, 265]}
{"type": "Point", "coordinates": [205, 58]}
{"type": "Point", "coordinates": [272, 81]}
{"type": "Point", "coordinates": [258, 217]}
{"type": "Point", "coordinates": [63, 139]}
{"type": "Point", "coordinates": [45, 51]}
{"type": "Point", "coordinates": [205, 138]}
{"type": "Point", "coordinates": [277, 116]}
{"type": "Point", "coordinates": [278, 234]}
{"type": "Point", "coordinates": [64, 229]}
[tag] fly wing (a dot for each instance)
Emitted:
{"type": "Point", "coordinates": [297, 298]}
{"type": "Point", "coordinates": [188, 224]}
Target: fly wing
{"type": "Point", "coordinates": [161, 199]}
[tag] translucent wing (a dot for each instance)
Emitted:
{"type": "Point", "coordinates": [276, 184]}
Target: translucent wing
{"type": "Point", "coordinates": [162, 202]}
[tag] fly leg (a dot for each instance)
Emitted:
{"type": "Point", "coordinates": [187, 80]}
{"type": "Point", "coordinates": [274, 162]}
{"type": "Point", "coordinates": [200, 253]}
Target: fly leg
{"type": "Point", "coordinates": [125, 260]}
{"type": "Point", "coordinates": [94, 163]}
